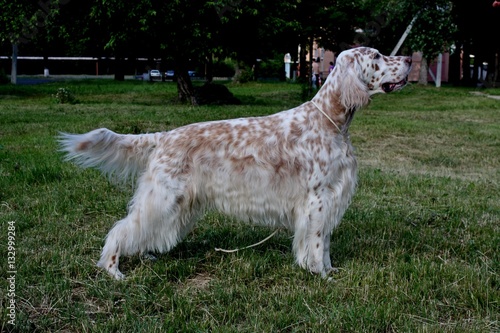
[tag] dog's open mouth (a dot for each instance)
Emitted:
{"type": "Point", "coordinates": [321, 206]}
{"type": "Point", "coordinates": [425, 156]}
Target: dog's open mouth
{"type": "Point", "coordinates": [389, 87]}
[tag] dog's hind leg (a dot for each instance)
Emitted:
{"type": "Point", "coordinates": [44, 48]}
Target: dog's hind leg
{"type": "Point", "coordinates": [158, 219]}
{"type": "Point", "coordinates": [115, 246]}
{"type": "Point", "coordinates": [125, 238]}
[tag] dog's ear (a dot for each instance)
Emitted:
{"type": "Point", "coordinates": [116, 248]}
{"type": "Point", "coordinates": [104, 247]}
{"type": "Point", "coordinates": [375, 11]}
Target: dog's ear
{"type": "Point", "coordinates": [352, 89]}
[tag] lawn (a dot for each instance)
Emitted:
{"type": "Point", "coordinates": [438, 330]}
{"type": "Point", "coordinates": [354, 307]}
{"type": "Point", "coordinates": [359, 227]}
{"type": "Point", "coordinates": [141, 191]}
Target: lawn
{"type": "Point", "coordinates": [418, 249]}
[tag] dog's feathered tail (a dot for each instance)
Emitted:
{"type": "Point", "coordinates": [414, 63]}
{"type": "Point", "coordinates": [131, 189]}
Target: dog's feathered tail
{"type": "Point", "coordinates": [120, 156]}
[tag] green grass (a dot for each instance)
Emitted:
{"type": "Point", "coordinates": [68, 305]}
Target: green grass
{"type": "Point", "coordinates": [417, 249]}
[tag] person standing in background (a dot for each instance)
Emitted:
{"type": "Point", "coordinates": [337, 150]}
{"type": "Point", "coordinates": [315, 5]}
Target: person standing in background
{"type": "Point", "coordinates": [315, 70]}
{"type": "Point", "coordinates": [332, 66]}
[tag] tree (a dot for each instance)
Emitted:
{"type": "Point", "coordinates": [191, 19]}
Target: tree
{"type": "Point", "coordinates": [21, 22]}
{"type": "Point", "coordinates": [173, 30]}
{"type": "Point", "coordinates": [201, 31]}
{"type": "Point", "coordinates": [332, 24]}
{"type": "Point", "coordinates": [257, 30]}
{"type": "Point", "coordinates": [127, 26]}
{"type": "Point", "coordinates": [195, 30]}
{"type": "Point", "coordinates": [433, 31]}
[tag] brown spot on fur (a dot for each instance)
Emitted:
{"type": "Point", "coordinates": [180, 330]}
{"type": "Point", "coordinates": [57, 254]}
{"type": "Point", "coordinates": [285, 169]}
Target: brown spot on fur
{"type": "Point", "coordinates": [240, 163]}
{"type": "Point", "coordinates": [295, 130]}
{"type": "Point", "coordinates": [318, 233]}
{"type": "Point", "coordinates": [83, 146]}
{"type": "Point", "coordinates": [279, 165]}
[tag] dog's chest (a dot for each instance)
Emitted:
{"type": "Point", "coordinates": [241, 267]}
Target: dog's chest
{"type": "Point", "coordinates": [334, 158]}
{"type": "Point", "coordinates": [339, 174]}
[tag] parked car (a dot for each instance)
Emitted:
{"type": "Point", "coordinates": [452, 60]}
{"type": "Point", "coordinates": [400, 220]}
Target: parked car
{"type": "Point", "coordinates": [169, 75]}
{"type": "Point", "coordinates": [154, 74]}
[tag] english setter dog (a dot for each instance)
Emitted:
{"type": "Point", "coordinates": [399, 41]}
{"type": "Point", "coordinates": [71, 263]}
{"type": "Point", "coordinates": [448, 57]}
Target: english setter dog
{"type": "Point", "coordinates": [294, 169]}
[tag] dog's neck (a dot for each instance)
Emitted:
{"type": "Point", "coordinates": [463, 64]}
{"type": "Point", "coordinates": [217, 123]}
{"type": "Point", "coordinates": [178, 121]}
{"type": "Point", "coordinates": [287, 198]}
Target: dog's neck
{"type": "Point", "coordinates": [333, 111]}
{"type": "Point", "coordinates": [339, 99]}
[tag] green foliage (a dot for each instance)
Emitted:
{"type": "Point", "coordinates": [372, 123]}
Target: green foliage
{"type": "Point", "coordinates": [331, 23]}
{"type": "Point", "coordinates": [224, 68]}
{"type": "Point", "coordinates": [24, 21]}
{"type": "Point", "coordinates": [271, 68]}
{"type": "Point", "coordinates": [64, 96]}
{"type": "Point", "coordinates": [245, 75]}
{"type": "Point", "coordinates": [434, 28]}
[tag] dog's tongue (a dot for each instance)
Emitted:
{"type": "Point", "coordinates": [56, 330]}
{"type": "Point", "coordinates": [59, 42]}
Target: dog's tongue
{"type": "Point", "coordinates": [389, 87]}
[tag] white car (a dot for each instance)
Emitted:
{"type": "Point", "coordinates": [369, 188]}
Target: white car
{"type": "Point", "coordinates": [154, 74]}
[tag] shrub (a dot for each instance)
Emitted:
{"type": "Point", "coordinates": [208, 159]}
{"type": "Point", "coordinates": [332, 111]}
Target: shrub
{"type": "Point", "coordinates": [272, 68]}
{"type": "Point", "coordinates": [246, 75]}
{"type": "Point", "coordinates": [223, 68]}
{"type": "Point", "coordinates": [64, 96]}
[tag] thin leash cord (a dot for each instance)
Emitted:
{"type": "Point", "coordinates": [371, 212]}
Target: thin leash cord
{"type": "Point", "coordinates": [247, 247]}
{"type": "Point", "coordinates": [327, 116]}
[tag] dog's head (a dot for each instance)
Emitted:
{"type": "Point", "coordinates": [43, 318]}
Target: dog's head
{"type": "Point", "coordinates": [379, 73]}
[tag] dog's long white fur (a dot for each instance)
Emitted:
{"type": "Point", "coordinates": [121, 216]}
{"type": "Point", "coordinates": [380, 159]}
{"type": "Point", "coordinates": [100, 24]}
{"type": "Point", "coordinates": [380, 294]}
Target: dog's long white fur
{"type": "Point", "coordinates": [294, 169]}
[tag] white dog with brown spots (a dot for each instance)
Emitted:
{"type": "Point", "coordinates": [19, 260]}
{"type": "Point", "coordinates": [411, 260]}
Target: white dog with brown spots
{"type": "Point", "coordinates": [294, 169]}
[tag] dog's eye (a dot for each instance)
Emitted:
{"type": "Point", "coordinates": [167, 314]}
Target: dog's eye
{"type": "Point", "coordinates": [377, 56]}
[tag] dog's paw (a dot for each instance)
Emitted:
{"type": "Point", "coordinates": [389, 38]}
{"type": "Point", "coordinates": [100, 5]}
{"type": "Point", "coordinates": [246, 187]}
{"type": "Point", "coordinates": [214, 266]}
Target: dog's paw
{"type": "Point", "coordinates": [329, 271]}
{"type": "Point", "coordinates": [112, 270]}
{"type": "Point", "coordinates": [118, 275]}
{"type": "Point", "coordinates": [332, 270]}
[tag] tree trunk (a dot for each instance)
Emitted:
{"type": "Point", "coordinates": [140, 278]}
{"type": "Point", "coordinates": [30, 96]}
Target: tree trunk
{"type": "Point", "coordinates": [424, 70]}
{"type": "Point", "coordinates": [13, 72]}
{"type": "Point", "coordinates": [185, 89]}
{"type": "Point", "coordinates": [237, 71]}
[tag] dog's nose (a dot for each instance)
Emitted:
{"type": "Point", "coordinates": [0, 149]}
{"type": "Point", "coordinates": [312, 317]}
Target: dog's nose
{"type": "Point", "coordinates": [408, 60]}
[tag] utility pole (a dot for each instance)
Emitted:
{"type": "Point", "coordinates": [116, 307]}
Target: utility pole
{"type": "Point", "coordinates": [405, 34]}
{"type": "Point", "coordinates": [13, 72]}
